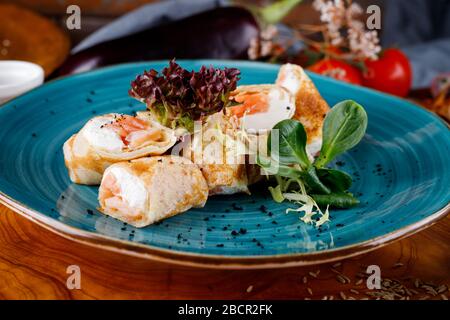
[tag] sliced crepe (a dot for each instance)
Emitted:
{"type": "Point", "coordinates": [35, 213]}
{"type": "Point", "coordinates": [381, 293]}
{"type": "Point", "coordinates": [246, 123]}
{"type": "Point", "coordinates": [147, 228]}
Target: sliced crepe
{"type": "Point", "coordinates": [217, 151]}
{"type": "Point", "coordinates": [143, 191]}
{"type": "Point", "coordinates": [311, 108]}
{"type": "Point", "coordinates": [112, 138]}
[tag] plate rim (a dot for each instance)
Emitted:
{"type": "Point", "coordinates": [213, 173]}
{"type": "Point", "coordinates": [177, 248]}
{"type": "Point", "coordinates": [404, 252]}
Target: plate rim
{"type": "Point", "coordinates": [215, 261]}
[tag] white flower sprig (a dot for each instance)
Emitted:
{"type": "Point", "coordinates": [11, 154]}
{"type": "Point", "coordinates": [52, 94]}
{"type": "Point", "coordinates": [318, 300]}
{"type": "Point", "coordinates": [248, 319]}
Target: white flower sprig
{"type": "Point", "coordinates": [343, 28]}
{"type": "Point", "coordinates": [263, 45]}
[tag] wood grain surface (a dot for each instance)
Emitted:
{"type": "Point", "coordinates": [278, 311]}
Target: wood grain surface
{"type": "Point", "coordinates": [34, 261]}
{"type": "Point", "coordinates": [98, 7]}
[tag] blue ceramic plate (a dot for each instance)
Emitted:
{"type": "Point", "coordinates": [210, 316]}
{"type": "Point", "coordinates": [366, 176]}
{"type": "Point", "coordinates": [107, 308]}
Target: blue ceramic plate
{"type": "Point", "coordinates": [400, 170]}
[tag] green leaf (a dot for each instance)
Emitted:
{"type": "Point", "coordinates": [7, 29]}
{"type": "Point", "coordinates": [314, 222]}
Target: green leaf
{"type": "Point", "coordinates": [292, 143]}
{"type": "Point", "coordinates": [272, 167]}
{"type": "Point", "coordinates": [343, 128]}
{"type": "Point", "coordinates": [313, 182]}
{"type": "Point", "coordinates": [186, 122]}
{"type": "Point", "coordinates": [276, 11]}
{"type": "Point", "coordinates": [336, 180]}
{"type": "Point", "coordinates": [335, 200]}
{"type": "Point", "coordinates": [276, 193]}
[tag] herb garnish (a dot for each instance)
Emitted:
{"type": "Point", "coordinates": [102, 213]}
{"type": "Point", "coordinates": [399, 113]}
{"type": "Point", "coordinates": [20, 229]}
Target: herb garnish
{"type": "Point", "coordinates": [177, 97]}
{"type": "Point", "coordinates": [312, 185]}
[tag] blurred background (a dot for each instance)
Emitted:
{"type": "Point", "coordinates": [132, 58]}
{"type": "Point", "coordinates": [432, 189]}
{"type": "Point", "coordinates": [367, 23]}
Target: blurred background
{"type": "Point", "coordinates": [97, 13]}
{"type": "Point", "coordinates": [409, 56]}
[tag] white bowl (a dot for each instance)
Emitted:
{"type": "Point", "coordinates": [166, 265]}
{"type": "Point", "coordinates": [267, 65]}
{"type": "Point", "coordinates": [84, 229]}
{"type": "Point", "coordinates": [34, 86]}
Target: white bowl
{"type": "Point", "coordinates": [17, 77]}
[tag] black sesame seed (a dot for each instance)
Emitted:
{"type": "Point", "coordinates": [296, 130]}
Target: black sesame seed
{"type": "Point", "coordinates": [263, 209]}
{"type": "Point", "coordinates": [236, 207]}
{"type": "Point", "coordinates": [89, 211]}
{"type": "Point", "coordinates": [340, 163]}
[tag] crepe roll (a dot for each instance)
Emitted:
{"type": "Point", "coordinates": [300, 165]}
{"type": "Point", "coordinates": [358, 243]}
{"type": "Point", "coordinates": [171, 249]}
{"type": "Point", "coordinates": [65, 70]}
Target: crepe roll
{"type": "Point", "coordinates": [112, 138]}
{"type": "Point", "coordinates": [310, 107]}
{"type": "Point", "coordinates": [224, 171]}
{"type": "Point", "coordinates": [143, 191]}
{"type": "Point", "coordinates": [225, 179]}
{"type": "Point", "coordinates": [217, 152]}
{"type": "Point", "coordinates": [260, 107]}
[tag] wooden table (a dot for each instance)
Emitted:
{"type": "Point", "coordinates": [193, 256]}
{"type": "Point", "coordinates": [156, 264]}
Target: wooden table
{"type": "Point", "coordinates": [34, 261]}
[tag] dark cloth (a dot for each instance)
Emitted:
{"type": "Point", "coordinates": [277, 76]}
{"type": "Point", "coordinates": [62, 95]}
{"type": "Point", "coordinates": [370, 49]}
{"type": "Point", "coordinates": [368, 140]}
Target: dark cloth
{"type": "Point", "coordinates": [422, 29]}
{"type": "Point", "coordinates": [148, 16]}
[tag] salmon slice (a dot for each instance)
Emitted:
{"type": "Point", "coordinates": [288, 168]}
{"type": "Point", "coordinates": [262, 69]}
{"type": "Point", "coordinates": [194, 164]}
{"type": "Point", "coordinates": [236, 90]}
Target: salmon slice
{"type": "Point", "coordinates": [250, 103]}
{"type": "Point", "coordinates": [135, 132]}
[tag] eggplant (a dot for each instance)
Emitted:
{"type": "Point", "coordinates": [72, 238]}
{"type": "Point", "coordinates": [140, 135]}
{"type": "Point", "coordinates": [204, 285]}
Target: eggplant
{"type": "Point", "coordinates": [222, 33]}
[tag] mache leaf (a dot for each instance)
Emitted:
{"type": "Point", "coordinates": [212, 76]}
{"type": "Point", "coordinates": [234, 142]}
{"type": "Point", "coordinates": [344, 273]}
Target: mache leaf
{"type": "Point", "coordinates": [336, 180]}
{"type": "Point", "coordinates": [335, 200]}
{"type": "Point", "coordinates": [291, 143]}
{"type": "Point", "coordinates": [343, 128]}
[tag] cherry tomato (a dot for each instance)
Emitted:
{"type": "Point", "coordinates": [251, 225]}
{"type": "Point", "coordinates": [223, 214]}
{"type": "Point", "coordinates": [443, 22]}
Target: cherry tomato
{"type": "Point", "coordinates": [391, 73]}
{"type": "Point", "coordinates": [337, 69]}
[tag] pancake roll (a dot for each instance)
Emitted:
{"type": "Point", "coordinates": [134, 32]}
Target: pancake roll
{"type": "Point", "coordinates": [143, 191]}
{"type": "Point", "coordinates": [310, 107]}
{"type": "Point", "coordinates": [111, 138]}
{"type": "Point", "coordinates": [220, 155]}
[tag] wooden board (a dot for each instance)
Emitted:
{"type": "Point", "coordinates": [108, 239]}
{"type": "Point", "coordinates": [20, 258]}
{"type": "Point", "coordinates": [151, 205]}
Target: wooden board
{"type": "Point", "coordinates": [25, 35]}
{"type": "Point", "coordinates": [97, 7]}
{"type": "Point", "coordinates": [33, 264]}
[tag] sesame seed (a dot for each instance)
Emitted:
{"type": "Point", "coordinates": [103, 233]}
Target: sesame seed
{"type": "Point", "coordinates": [337, 265]}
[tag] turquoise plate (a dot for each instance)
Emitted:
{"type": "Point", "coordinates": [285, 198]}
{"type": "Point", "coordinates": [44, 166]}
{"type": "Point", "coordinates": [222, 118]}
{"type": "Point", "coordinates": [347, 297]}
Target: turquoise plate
{"type": "Point", "coordinates": [400, 169]}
